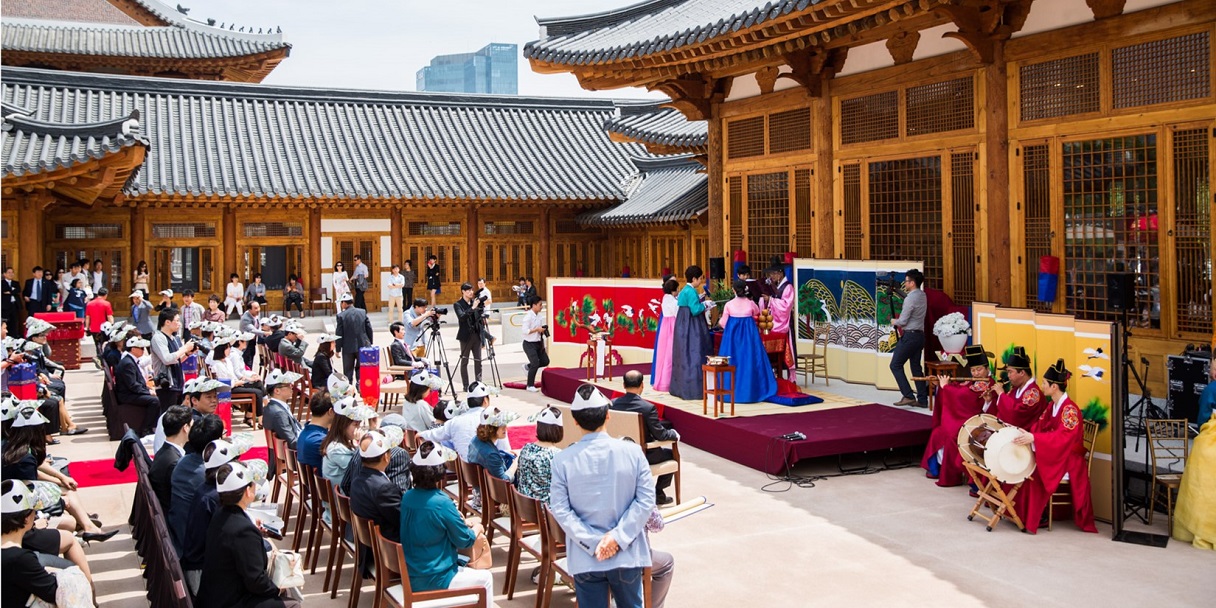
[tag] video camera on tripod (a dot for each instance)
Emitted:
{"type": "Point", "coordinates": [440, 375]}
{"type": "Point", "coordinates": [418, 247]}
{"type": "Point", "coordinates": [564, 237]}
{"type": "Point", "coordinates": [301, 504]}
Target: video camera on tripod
{"type": "Point", "coordinates": [437, 319]}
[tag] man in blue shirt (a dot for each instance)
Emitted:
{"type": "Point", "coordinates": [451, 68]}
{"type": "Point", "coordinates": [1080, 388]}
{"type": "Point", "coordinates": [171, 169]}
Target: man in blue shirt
{"type": "Point", "coordinates": [308, 444]}
{"type": "Point", "coordinates": [602, 494]}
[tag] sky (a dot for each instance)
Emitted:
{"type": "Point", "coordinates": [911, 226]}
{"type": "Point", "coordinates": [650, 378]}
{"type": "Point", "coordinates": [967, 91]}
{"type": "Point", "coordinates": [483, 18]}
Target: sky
{"type": "Point", "coordinates": [381, 44]}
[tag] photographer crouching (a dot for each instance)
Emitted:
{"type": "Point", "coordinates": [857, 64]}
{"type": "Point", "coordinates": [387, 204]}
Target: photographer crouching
{"type": "Point", "coordinates": [415, 319]}
{"type": "Point", "coordinates": [535, 332]}
{"type": "Point", "coordinates": [468, 311]}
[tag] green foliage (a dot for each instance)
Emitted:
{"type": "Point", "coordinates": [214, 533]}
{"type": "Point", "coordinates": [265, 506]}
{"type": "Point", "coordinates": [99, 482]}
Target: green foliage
{"type": "Point", "coordinates": [810, 305]}
{"type": "Point", "coordinates": [609, 307]}
{"type": "Point", "coordinates": [588, 308]}
{"type": "Point", "coordinates": [721, 292]}
{"type": "Point", "coordinates": [652, 324]}
{"type": "Point", "coordinates": [1096, 411]}
{"type": "Point", "coordinates": [625, 323]}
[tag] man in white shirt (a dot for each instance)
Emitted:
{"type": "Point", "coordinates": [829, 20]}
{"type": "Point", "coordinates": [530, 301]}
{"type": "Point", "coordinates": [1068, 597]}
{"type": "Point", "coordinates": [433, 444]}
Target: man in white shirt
{"type": "Point", "coordinates": [484, 292]}
{"type": "Point", "coordinates": [535, 330]}
{"type": "Point", "coordinates": [396, 283]}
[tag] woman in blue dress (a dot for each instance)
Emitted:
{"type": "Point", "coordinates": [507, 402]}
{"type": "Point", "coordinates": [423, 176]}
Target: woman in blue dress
{"type": "Point", "coordinates": [691, 342]}
{"type": "Point", "coordinates": [753, 379]}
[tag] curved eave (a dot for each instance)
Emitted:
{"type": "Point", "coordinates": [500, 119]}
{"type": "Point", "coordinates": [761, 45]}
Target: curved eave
{"type": "Point", "coordinates": [240, 68]}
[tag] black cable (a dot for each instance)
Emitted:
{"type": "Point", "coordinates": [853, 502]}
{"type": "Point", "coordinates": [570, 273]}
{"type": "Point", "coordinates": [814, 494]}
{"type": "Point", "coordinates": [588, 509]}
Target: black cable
{"type": "Point", "coordinates": [808, 481]}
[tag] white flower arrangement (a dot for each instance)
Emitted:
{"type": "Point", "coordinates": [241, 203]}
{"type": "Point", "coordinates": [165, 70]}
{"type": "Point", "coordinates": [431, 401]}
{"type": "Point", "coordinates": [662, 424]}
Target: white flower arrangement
{"type": "Point", "coordinates": [953, 324]}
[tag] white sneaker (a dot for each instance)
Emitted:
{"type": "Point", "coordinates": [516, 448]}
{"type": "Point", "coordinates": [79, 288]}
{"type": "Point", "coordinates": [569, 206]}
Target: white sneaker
{"type": "Point", "coordinates": [533, 389]}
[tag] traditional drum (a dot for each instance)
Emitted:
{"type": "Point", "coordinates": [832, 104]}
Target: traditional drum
{"type": "Point", "coordinates": [986, 442]}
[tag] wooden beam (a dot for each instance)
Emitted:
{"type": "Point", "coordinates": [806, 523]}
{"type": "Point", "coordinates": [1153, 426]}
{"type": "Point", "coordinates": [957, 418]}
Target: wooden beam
{"type": "Point", "coordinates": [1106, 8]}
{"type": "Point", "coordinates": [822, 202]}
{"type": "Point", "coordinates": [717, 243]}
{"type": "Point", "coordinates": [229, 229]}
{"type": "Point", "coordinates": [137, 244]}
{"type": "Point", "coordinates": [30, 216]}
{"type": "Point", "coordinates": [995, 264]}
{"type": "Point", "coordinates": [314, 250]}
{"type": "Point", "coordinates": [472, 243]}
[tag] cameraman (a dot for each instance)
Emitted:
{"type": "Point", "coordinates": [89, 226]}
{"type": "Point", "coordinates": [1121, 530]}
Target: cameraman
{"type": "Point", "coordinates": [416, 318]}
{"type": "Point", "coordinates": [535, 332]}
{"type": "Point", "coordinates": [468, 314]}
{"type": "Point", "coordinates": [167, 354]}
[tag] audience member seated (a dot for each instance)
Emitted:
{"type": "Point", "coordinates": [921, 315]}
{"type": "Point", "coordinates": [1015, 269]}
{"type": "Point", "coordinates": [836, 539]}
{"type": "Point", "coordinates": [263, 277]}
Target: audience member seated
{"type": "Point", "coordinates": [308, 444]}
{"type": "Point", "coordinates": [235, 561]}
{"type": "Point", "coordinates": [277, 415]}
{"type": "Point", "coordinates": [432, 529]}
{"type": "Point", "coordinates": [206, 501]}
{"type": "Point", "coordinates": [483, 450]}
{"type": "Point", "coordinates": [416, 410]}
{"type": "Point", "coordinates": [221, 364]}
{"type": "Point", "coordinates": [176, 422]}
{"type": "Point", "coordinates": [130, 386]}
{"type": "Point", "coordinates": [533, 474]}
{"type": "Point", "coordinates": [201, 397]}
{"type": "Point", "coordinates": [343, 436]}
{"type": "Point", "coordinates": [292, 345]}
{"type": "Point", "coordinates": [460, 429]}
{"type": "Point", "coordinates": [373, 495]}
{"type": "Point", "coordinates": [188, 474]}
{"type": "Point", "coordinates": [322, 361]}
{"type": "Point", "coordinates": [400, 352]}
{"type": "Point", "coordinates": [24, 574]}
{"type": "Point", "coordinates": [398, 470]}
{"type": "Point", "coordinates": [632, 401]}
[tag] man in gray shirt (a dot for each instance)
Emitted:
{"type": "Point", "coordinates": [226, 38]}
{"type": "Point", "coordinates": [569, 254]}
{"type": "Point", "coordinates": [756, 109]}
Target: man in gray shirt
{"type": "Point", "coordinates": [911, 345]}
{"type": "Point", "coordinates": [360, 271]}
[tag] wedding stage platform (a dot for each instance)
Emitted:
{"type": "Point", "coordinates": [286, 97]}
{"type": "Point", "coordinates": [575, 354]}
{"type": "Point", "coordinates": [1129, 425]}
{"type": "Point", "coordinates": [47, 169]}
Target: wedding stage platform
{"type": "Point", "coordinates": [836, 426]}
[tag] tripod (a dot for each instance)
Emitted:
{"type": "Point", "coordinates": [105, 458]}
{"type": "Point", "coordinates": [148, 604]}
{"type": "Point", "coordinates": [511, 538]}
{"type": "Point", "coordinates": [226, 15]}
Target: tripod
{"type": "Point", "coordinates": [1134, 414]}
{"type": "Point", "coordinates": [434, 344]}
{"type": "Point", "coordinates": [487, 343]}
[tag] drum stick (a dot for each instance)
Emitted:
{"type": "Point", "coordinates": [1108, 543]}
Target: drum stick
{"type": "Point", "coordinates": [930, 378]}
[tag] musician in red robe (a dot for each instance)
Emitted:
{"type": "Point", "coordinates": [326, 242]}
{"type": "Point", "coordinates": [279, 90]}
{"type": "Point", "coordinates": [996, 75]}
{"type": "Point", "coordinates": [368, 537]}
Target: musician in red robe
{"type": "Point", "coordinates": [1057, 440]}
{"type": "Point", "coordinates": [956, 403]}
{"type": "Point", "coordinates": [1025, 403]}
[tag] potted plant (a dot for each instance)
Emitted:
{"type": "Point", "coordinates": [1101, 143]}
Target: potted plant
{"type": "Point", "coordinates": [953, 331]}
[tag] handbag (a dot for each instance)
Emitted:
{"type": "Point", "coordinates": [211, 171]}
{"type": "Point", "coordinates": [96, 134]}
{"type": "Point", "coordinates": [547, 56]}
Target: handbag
{"type": "Point", "coordinates": [360, 283]}
{"type": "Point", "coordinates": [481, 559]}
{"type": "Point", "coordinates": [286, 569]}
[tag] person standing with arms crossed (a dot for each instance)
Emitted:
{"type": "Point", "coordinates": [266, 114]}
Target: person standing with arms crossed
{"type": "Point", "coordinates": [396, 286]}
{"type": "Point", "coordinates": [911, 344]}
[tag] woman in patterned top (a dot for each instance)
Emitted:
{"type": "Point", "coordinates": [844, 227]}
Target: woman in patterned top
{"type": "Point", "coordinates": [532, 477]}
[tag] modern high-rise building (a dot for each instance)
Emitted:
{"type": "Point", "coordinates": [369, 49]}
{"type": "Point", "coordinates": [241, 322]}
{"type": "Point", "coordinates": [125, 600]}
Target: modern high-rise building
{"type": "Point", "coordinates": [493, 69]}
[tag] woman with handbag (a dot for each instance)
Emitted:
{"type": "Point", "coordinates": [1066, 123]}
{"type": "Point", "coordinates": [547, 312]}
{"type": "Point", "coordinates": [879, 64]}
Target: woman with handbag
{"type": "Point", "coordinates": [433, 533]}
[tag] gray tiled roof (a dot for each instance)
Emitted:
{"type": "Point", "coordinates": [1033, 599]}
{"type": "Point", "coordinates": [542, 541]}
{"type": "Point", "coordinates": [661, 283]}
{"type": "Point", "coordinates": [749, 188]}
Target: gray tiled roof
{"type": "Point", "coordinates": [233, 140]}
{"type": "Point", "coordinates": [112, 40]}
{"type": "Point", "coordinates": [653, 124]}
{"type": "Point", "coordinates": [671, 189]}
{"type": "Point", "coordinates": [30, 146]}
{"type": "Point", "coordinates": [649, 27]}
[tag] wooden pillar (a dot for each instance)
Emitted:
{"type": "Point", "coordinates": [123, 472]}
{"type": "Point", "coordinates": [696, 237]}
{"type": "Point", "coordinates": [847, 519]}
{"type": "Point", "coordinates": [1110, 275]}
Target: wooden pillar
{"type": "Point", "coordinates": [823, 222]}
{"type": "Point", "coordinates": [139, 249]}
{"type": "Point", "coordinates": [470, 275]}
{"type": "Point", "coordinates": [395, 237]}
{"type": "Point", "coordinates": [230, 265]}
{"type": "Point", "coordinates": [717, 244]}
{"type": "Point", "coordinates": [995, 267]}
{"type": "Point", "coordinates": [30, 246]}
{"type": "Point", "coordinates": [545, 243]}
{"type": "Point", "coordinates": [314, 250]}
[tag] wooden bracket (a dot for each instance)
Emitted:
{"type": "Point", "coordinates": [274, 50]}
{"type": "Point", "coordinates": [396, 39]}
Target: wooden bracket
{"type": "Point", "coordinates": [902, 46]}
{"type": "Point", "coordinates": [1106, 8]}
{"type": "Point", "coordinates": [982, 23]}
{"type": "Point", "coordinates": [694, 95]}
{"type": "Point", "coordinates": [812, 65]}
{"type": "Point", "coordinates": [766, 77]}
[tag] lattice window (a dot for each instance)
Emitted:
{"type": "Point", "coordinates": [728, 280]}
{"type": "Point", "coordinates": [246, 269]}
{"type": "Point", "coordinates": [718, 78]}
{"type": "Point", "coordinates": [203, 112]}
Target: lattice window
{"type": "Point", "coordinates": [1161, 71]}
{"type": "Point", "coordinates": [88, 231]}
{"type": "Point", "coordinates": [803, 227]}
{"type": "Point", "coordinates": [666, 252]}
{"type": "Point", "coordinates": [853, 236]}
{"type": "Point", "coordinates": [570, 226]}
{"type": "Point", "coordinates": [735, 188]}
{"type": "Point", "coordinates": [1193, 227]}
{"type": "Point", "coordinates": [273, 229]}
{"type": "Point", "coordinates": [941, 106]}
{"type": "Point", "coordinates": [906, 212]}
{"type": "Point", "coordinates": [3, 229]}
{"type": "Point", "coordinates": [768, 217]}
{"type": "Point", "coordinates": [1036, 186]}
{"type": "Point", "coordinates": [509, 227]}
{"type": "Point", "coordinates": [962, 232]}
{"type": "Point", "coordinates": [191, 230]}
{"type": "Point", "coordinates": [869, 118]}
{"type": "Point", "coordinates": [1110, 225]}
{"type": "Point", "coordinates": [434, 229]}
{"type": "Point", "coordinates": [789, 131]}
{"type": "Point", "coordinates": [1060, 87]}
{"type": "Point", "coordinates": [745, 137]}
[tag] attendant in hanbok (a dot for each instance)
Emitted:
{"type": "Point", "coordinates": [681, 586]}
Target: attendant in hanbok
{"type": "Point", "coordinates": [691, 341]}
{"type": "Point", "coordinates": [1057, 439]}
{"type": "Point", "coordinates": [956, 403]}
{"type": "Point", "coordinates": [754, 380]}
{"type": "Point", "coordinates": [660, 376]}
{"type": "Point", "coordinates": [1194, 517]}
{"type": "Point", "coordinates": [781, 305]}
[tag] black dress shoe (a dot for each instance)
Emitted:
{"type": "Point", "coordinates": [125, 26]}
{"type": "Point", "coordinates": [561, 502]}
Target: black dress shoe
{"type": "Point", "coordinates": [75, 431]}
{"type": "Point", "coordinates": [100, 537]}
{"type": "Point", "coordinates": [663, 501]}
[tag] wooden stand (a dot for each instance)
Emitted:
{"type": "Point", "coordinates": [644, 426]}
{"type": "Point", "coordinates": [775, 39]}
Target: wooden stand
{"type": "Point", "coordinates": [717, 374]}
{"type": "Point", "coordinates": [935, 369]}
{"type": "Point", "coordinates": [591, 354]}
{"type": "Point", "coordinates": [994, 497]}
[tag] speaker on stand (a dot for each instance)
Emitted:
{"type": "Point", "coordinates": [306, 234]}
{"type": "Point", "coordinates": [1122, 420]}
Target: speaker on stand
{"type": "Point", "coordinates": [1121, 291]}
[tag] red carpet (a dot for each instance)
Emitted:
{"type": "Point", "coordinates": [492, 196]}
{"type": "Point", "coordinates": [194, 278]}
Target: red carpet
{"type": "Point", "coordinates": [91, 473]}
{"type": "Point", "coordinates": [518, 385]}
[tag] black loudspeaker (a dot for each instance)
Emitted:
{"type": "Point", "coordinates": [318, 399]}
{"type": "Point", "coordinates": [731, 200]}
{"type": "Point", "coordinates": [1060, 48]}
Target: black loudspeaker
{"type": "Point", "coordinates": [1121, 291]}
{"type": "Point", "coordinates": [717, 269]}
{"type": "Point", "coordinates": [1187, 376]}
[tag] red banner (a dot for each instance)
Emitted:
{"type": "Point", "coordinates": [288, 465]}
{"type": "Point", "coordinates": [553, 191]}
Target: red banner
{"type": "Point", "coordinates": [629, 314]}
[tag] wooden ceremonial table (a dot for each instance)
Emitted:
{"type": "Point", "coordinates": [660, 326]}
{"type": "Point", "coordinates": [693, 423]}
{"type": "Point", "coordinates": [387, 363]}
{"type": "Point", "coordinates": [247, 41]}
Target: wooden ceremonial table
{"type": "Point", "coordinates": [776, 344]}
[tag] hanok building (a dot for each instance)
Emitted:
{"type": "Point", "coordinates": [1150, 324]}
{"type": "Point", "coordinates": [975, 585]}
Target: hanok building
{"type": "Point", "coordinates": [975, 135]}
{"type": "Point", "coordinates": [105, 158]}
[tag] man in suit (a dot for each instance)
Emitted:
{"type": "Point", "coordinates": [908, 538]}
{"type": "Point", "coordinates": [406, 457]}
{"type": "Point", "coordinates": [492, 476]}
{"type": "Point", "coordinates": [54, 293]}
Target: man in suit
{"type": "Point", "coordinates": [399, 352]}
{"type": "Point", "coordinates": [235, 561]}
{"type": "Point", "coordinates": [277, 415]}
{"type": "Point", "coordinates": [39, 293]}
{"type": "Point", "coordinates": [468, 314]}
{"type": "Point", "coordinates": [632, 401]}
{"type": "Point", "coordinates": [12, 299]}
{"type": "Point", "coordinates": [176, 423]}
{"type": "Point", "coordinates": [373, 495]}
{"type": "Point", "coordinates": [252, 324]}
{"type": "Point", "coordinates": [354, 332]}
{"type": "Point", "coordinates": [188, 474]}
{"type": "Point", "coordinates": [130, 387]}
{"type": "Point", "coordinates": [602, 495]}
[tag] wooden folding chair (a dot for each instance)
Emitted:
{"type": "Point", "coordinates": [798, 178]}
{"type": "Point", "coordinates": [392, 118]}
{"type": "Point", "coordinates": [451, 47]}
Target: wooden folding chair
{"type": "Point", "coordinates": [1063, 493]}
{"type": "Point", "coordinates": [363, 536]}
{"type": "Point", "coordinates": [553, 562]}
{"type": "Point", "coordinates": [339, 547]}
{"type": "Point", "coordinates": [1168, 449]}
{"type": "Point", "coordinates": [815, 363]}
{"type": "Point", "coordinates": [295, 489]}
{"type": "Point", "coordinates": [318, 493]}
{"type": "Point", "coordinates": [390, 562]}
{"type": "Point", "coordinates": [469, 476]}
{"type": "Point", "coordinates": [525, 518]}
{"type": "Point", "coordinates": [278, 471]}
{"type": "Point", "coordinates": [995, 497]}
{"type": "Point", "coordinates": [495, 493]}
